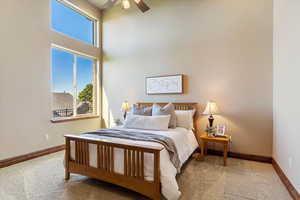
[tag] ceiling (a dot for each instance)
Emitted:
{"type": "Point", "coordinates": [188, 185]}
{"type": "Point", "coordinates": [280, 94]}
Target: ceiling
{"type": "Point", "coordinates": [98, 3]}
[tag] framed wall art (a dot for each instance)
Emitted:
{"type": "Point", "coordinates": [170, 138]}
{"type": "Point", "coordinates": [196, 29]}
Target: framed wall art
{"type": "Point", "coordinates": [170, 84]}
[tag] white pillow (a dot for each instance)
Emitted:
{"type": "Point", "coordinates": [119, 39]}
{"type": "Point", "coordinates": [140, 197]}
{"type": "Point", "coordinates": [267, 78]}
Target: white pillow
{"type": "Point", "coordinates": [185, 118]}
{"type": "Point", "coordinates": [159, 123]}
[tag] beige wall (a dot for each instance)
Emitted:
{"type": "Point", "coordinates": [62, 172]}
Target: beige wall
{"type": "Point", "coordinates": [224, 47]}
{"type": "Point", "coordinates": [25, 97]}
{"type": "Point", "coordinates": [286, 88]}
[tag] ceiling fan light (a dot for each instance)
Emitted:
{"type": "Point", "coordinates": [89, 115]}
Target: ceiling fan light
{"type": "Point", "coordinates": [126, 4]}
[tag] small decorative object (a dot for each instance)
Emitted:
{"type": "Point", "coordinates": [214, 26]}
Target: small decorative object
{"type": "Point", "coordinates": [210, 130]}
{"type": "Point", "coordinates": [172, 84]}
{"type": "Point", "coordinates": [211, 109]}
{"type": "Point", "coordinates": [125, 107]}
{"type": "Point", "coordinates": [118, 122]}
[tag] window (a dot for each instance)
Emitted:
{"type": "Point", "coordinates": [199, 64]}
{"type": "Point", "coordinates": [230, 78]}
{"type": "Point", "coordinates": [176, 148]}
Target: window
{"type": "Point", "coordinates": [72, 22]}
{"type": "Point", "coordinates": [73, 85]}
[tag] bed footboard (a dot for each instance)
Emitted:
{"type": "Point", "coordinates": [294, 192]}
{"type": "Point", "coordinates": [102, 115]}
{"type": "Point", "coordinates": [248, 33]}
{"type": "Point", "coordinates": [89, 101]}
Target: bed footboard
{"type": "Point", "coordinates": [133, 177]}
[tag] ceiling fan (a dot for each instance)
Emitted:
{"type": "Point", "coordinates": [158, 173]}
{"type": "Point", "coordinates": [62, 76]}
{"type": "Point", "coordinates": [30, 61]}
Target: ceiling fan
{"type": "Point", "coordinates": [126, 4]}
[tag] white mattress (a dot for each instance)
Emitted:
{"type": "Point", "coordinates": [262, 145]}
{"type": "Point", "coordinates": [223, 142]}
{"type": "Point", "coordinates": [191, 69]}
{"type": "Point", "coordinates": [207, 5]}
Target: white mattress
{"type": "Point", "coordinates": [185, 143]}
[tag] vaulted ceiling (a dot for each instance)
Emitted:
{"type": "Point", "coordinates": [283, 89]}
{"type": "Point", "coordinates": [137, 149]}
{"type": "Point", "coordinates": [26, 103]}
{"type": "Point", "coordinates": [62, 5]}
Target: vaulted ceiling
{"type": "Point", "coordinates": [126, 4]}
{"type": "Point", "coordinates": [98, 3]}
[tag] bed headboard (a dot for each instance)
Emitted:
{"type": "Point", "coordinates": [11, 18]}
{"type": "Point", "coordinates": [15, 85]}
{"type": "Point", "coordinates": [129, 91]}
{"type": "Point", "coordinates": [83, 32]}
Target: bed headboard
{"type": "Point", "coordinates": [180, 106]}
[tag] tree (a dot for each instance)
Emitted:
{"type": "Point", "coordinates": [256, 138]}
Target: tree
{"type": "Point", "coordinates": [86, 94]}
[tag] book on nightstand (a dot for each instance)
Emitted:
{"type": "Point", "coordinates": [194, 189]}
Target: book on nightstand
{"type": "Point", "coordinates": [221, 136]}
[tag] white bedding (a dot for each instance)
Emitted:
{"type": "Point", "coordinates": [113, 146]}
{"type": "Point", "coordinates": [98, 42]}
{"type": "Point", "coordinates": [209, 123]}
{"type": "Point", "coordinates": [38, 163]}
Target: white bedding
{"type": "Point", "coordinates": [185, 143]}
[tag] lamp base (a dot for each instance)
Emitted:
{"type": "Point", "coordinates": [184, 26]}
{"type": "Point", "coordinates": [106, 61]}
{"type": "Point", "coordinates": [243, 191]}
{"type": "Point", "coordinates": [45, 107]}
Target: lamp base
{"type": "Point", "coordinates": [211, 120]}
{"type": "Point", "coordinates": [125, 114]}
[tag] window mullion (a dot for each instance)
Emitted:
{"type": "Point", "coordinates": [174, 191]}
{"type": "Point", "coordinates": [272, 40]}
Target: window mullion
{"type": "Point", "coordinates": [94, 88]}
{"type": "Point", "coordinates": [95, 34]}
{"type": "Point", "coordinates": [75, 86]}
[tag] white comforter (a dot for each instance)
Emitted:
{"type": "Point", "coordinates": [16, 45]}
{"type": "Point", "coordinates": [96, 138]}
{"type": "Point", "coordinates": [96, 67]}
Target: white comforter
{"type": "Point", "coordinates": [185, 143]}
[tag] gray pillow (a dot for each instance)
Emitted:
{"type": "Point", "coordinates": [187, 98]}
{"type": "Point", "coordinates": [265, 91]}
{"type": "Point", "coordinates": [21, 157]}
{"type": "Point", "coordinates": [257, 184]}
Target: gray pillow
{"type": "Point", "coordinates": [169, 109]}
{"type": "Point", "coordinates": [141, 110]}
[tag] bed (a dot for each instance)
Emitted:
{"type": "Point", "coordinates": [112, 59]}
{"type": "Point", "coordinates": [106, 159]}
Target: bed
{"type": "Point", "coordinates": [141, 166]}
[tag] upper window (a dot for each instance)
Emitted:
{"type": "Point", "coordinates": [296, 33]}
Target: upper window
{"type": "Point", "coordinates": [73, 23]}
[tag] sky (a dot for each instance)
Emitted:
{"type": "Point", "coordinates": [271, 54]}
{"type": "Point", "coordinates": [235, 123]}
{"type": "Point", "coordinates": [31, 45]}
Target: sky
{"type": "Point", "coordinates": [70, 23]}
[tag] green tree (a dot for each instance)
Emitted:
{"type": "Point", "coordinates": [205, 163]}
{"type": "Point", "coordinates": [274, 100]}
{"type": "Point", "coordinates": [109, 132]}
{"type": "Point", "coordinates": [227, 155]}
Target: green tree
{"type": "Point", "coordinates": [86, 94]}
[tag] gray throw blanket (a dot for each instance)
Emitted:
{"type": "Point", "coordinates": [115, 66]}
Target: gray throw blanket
{"type": "Point", "coordinates": [167, 142]}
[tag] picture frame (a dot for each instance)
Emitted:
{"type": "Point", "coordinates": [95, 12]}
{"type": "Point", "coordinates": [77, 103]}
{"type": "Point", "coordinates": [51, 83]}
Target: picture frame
{"type": "Point", "coordinates": [166, 84]}
{"type": "Point", "coordinates": [221, 129]}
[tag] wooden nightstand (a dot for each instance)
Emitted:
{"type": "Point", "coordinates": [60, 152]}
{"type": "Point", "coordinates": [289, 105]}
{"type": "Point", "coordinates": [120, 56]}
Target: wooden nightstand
{"type": "Point", "coordinates": [204, 139]}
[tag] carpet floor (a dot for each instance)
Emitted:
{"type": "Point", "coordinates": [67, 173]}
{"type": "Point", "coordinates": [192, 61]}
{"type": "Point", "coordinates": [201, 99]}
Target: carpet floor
{"type": "Point", "coordinates": [43, 179]}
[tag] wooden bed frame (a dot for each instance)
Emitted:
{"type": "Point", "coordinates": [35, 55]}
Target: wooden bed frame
{"type": "Point", "coordinates": [133, 177]}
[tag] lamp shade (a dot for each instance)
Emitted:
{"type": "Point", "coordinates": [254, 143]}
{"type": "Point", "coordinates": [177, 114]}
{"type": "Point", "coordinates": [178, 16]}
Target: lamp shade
{"type": "Point", "coordinates": [211, 108]}
{"type": "Point", "coordinates": [125, 106]}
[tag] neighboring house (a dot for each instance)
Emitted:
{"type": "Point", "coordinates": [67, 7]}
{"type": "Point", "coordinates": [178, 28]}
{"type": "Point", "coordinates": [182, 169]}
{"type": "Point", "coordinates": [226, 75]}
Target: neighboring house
{"type": "Point", "coordinates": [62, 101]}
{"type": "Point", "coordinates": [84, 108]}
{"type": "Point", "coordinates": [62, 105]}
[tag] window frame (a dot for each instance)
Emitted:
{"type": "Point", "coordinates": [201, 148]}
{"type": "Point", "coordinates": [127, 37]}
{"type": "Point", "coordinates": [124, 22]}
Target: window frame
{"type": "Point", "coordinates": [95, 113]}
{"type": "Point", "coordinates": [80, 11]}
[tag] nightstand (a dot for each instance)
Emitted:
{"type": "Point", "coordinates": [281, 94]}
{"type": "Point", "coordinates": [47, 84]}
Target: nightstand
{"type": "Point", "coordinates": [204, 139]}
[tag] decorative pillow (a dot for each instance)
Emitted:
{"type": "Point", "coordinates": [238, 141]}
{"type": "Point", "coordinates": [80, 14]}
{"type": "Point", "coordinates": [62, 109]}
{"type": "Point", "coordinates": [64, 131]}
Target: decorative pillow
{"type": "Point", "coordinates": [141, 110]}
{"type": "Point", "coordinates": [169, 109]}
{"type": "Point", "coordinates": [159, 123]}
{"type": "Point", "coordinates": [185, 118]}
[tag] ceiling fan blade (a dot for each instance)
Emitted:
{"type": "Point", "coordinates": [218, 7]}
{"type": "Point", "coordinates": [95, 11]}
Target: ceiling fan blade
{"type": "Point", "coordinates": [109, 4]}
{"type": "Point", "coordinates": [142, 5]}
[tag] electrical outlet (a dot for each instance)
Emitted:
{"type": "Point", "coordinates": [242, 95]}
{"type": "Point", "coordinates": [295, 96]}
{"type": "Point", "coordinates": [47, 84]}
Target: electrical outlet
{"type": "Point", "coordinates": [47, 137]}
{"type": "Point", "coordinates": [290, 162]}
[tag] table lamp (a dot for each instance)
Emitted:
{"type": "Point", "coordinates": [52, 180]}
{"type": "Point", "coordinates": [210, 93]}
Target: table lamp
{"type": "Point", "coordinates": [211, 109]}
{"type": "Point", "coordinates": [125, 107]}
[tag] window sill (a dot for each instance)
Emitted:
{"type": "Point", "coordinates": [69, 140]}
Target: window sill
{"type": "Point", "coordinates": [74, 119]}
